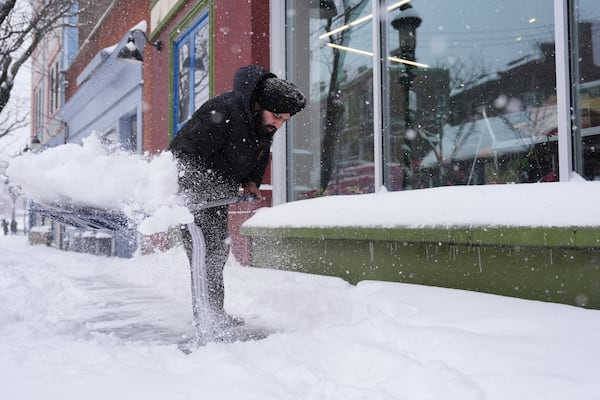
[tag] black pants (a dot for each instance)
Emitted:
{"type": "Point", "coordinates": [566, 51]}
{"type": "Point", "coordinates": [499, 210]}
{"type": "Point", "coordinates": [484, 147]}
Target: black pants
{"type": "Point", "coordinates": [205, 242]}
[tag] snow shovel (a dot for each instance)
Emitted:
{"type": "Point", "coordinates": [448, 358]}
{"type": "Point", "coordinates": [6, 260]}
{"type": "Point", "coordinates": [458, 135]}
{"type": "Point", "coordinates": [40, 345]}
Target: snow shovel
{"type": "Point", "coordinates": [94, 218]}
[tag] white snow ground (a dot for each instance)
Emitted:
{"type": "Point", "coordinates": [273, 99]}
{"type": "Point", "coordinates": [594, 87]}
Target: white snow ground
{"type": "Point", "coordinates": [78, 326]}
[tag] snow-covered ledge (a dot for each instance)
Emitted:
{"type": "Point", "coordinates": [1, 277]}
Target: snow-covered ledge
{"type": "Point", "coordinates": [536, 241]}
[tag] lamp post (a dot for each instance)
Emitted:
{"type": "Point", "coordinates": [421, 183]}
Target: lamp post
{"type": "Point", "coordinates": [406, 23]}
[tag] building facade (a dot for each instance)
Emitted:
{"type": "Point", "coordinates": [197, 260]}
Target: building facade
{"type": "Point", "coordinates": [402, 94]}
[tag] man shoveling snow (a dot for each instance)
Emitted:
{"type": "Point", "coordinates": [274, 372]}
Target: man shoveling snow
{"type": "Point", "coordinates": [226, 144]}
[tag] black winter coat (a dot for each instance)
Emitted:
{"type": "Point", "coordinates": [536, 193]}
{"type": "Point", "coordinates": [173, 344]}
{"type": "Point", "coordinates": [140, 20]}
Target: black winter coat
{"type": "Point", "coordinates": [220, 147]}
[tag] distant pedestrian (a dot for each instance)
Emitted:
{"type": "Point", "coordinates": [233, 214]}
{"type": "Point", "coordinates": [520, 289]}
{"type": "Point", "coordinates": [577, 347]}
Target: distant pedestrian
{"type": "Point", "coordinates": [5, 226]}
{"type": "Point", "coordinates": [13, 227]}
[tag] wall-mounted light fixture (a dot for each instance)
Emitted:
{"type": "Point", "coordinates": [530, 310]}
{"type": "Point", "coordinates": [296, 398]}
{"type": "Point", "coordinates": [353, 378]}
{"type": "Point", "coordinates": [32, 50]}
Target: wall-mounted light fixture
{"type": "Point", "coordinates": [131, 53]}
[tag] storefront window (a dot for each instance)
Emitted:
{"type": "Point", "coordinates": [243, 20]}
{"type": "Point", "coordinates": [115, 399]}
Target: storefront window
{"type": "Point", "coordinates": [586, 79]}
{"type": "Point", "coordinates": [479, 104]}
{"type": "Point", "coordinates": [183, 84]}
{"type": "Point", "coordinates": [191, 70]}
{"type": "Point", "coordinates": [200, 66]}
{"type": "Point", "coordinates": [330, 149]}
{"type": "Point", "coordinates": [467, 96]}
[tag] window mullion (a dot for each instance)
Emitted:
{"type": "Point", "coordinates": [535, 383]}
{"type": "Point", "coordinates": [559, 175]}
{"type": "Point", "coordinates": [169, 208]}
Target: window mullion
{"type": "Point", "coordinates": [377, 96]}
{"type": "Point", "coordinates": [565, 142]}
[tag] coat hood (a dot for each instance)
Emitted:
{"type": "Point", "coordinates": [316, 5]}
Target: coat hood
{"type": "Point", "coordinates": [246, 80]}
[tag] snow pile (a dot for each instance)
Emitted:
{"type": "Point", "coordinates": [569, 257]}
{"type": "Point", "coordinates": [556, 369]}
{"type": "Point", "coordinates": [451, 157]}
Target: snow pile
{"type": "Point", "coordinates": [537, 204]}
{"type": "Point", "coordinates": [143, 187]}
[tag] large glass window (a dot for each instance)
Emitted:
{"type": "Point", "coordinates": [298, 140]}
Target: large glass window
{"type": "Point", "coordinates": [191, 76]}
{"type": "Point", "coordinates": [330, 146]}
{"type": "Point", "coordinates": [586, 79]}
{"type": "Point", "coordinates": [471, 92]}
{"type": "Point", "coordinates": [467, 94]}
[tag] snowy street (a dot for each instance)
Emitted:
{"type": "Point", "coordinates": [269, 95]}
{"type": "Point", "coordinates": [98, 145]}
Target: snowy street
{"type": "Point", "coordinates": [76, 326]}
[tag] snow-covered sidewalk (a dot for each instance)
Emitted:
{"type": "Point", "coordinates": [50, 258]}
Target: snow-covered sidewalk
{"type": "Point", "coordinates": [76, 326]}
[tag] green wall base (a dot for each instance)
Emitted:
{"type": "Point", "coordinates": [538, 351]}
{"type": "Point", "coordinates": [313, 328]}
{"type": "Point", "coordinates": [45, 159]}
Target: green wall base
{"type": "Point", "coordinates": [559, 265]}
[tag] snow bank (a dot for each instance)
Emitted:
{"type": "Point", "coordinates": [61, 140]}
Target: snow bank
{"type": "Point", "coordinates": [537, 204]}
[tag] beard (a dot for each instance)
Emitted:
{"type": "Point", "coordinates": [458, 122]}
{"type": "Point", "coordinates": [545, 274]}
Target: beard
{"type": "Point", "coordinates": [265, 131]}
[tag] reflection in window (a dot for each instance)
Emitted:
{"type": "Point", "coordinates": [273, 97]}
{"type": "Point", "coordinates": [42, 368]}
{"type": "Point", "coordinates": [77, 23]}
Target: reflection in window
{"type": "Point", "coordinates": [332, 142]}
{"type": "Point", "coordinates": [587, 79]}
{"type": "Point", "coordinates": [192, 51]}
{"type": "Point", "coordinates": [183, 84]}
{"type": "Point", "coordinates": [468, 94]}
{"type": "Point", "coordinates": [484, 109]}
{"type": "Point", "coordinates": [200, 67]}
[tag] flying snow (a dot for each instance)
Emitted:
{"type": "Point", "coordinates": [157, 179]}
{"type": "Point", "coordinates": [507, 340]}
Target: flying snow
{"type": "Point", "coordinates": [143, 187]}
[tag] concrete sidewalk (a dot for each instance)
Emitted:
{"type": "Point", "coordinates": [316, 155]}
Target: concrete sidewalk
{"type": "Point", "coordinates": [131, 313]}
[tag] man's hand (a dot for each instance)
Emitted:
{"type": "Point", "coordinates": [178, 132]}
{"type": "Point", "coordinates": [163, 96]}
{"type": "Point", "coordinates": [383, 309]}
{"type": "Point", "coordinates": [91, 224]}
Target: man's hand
{"type": "Point", "coordinates": [250, 188]}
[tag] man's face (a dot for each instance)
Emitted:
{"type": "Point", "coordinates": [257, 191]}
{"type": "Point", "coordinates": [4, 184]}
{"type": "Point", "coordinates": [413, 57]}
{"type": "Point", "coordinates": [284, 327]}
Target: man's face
{"type": "Point", "coordinates": [272, 121]}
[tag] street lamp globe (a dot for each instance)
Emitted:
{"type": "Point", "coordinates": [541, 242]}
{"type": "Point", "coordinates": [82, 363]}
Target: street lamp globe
{"type": "Point", "coordinates": [406, 22]}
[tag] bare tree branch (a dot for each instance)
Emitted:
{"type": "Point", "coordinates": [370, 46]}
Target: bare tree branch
{"type": "Point", "coordinates": [21, 31]}
{"type": "Point", "coordinates": [334, 106]}
{"type": "Point", "coordinates": [11, 120]}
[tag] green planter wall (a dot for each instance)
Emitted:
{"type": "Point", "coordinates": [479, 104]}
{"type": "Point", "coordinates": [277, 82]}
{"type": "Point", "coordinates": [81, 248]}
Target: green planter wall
{"type": "Point", "coordinates": [550, 264]}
